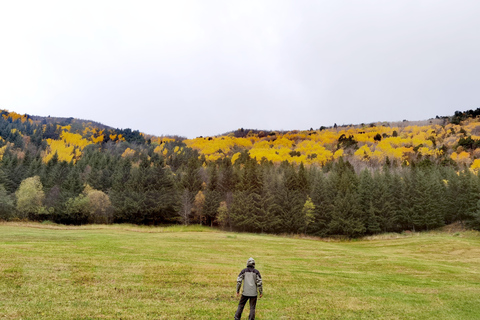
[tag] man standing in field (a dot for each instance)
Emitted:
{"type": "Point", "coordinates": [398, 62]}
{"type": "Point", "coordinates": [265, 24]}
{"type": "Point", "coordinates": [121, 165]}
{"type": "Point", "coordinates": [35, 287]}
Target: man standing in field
{"type": "Point", "coordinates": [252, 280]}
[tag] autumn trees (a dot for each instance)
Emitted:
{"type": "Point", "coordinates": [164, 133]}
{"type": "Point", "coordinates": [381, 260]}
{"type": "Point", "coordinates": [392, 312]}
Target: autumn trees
{"type": "Point", "coordinates": [349, 181]}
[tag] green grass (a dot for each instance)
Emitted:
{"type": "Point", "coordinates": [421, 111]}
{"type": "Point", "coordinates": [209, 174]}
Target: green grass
{"type": "Point", "coordinates": [49, 271]}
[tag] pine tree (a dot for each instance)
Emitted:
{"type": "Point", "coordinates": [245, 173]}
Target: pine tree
{"type": "Point", "coordinates": [238, 211]}
{"type": "Point", "coordinates": [302, 180]}
{"type": "Point", "coordinates": [227, 178]}
{"type": "Point", "coordinates": [322, 197]}
{"type": "Point", "coordinates": [367, 192]}
{"type": "Point", "coordinates": [372, 223]}
{"type": "Point", "coordinates": [161, 198]}
{"type": "Point", "coordinates": [212, 197]}
{"type": "Point", "coordinates": [7, 206]}
{"type": "Point", "coordinates": [191, 179]}
{"type": "Point", "coordinates": [346, 213]}
{"type": "Point", "coordinates": [390, 205]}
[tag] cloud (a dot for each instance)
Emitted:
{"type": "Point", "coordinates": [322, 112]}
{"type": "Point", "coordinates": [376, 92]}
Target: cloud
{"type": "Point", "coordinates": [203, 68]}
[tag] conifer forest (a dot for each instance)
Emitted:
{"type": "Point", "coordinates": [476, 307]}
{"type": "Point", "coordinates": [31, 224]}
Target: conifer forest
{"type": "Point", "coordinates": [343, 180]}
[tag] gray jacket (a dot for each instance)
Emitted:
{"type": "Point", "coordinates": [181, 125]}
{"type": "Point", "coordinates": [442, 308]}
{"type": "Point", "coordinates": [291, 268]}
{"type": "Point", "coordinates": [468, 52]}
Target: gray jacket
{"type": "Point", "coordinates": [252, 280]}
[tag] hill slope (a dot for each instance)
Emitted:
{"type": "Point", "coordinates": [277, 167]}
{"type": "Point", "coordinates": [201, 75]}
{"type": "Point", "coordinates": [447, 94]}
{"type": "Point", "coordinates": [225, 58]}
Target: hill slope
{"type": "Point", "coordinates": [352, 180]}
{"type": "Point", "coordinates": [453, 139]}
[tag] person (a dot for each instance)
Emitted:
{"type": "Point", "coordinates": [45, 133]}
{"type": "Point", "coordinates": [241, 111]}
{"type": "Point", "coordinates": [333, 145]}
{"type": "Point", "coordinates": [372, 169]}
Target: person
{"type": "Point", "coordinates": [252, 281]}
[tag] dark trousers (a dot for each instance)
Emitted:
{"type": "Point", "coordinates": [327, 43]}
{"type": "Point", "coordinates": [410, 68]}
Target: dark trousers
{"type": "Point", "coordinates": [241, 305]}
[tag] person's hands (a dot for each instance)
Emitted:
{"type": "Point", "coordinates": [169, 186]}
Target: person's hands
{"type": "Point", "coordinates": [261, 295]}
{"type": "Point", "coordinates": [238, 294]}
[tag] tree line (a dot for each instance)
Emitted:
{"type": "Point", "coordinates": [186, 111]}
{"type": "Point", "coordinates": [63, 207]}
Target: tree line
{"type": "Point", "coordinates": [247, 195]}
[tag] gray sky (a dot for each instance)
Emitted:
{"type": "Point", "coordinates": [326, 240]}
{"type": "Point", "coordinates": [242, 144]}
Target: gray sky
{"type": "Point", "coordinates": [207, 67]}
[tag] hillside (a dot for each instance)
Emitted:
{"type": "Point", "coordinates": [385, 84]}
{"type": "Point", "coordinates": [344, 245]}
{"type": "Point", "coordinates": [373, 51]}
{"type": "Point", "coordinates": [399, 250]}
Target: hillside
{"type": "Point", "coordinates": [438, 140]}
{"type": "Point", "coordinates": [344, 180]}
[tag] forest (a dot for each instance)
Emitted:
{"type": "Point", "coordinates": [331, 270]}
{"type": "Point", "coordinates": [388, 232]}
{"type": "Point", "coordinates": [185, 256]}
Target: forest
{"type": "Point", "coordinates": [347, 180]}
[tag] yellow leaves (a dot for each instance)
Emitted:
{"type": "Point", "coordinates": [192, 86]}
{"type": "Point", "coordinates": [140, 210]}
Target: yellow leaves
{"type": "Point", "coordinates": [461, 158]}
{"type": "Point", "coordinates": [64, 151]}
{"type": "Point", "coordinates": [215, 148]}
{"type": "Point", "coordinates": [164, 151]}
{"type": "Point", "coordinates": [396, 142]}
{"type": "Point", "coordinates": [363, 153]}
{"type": "Point", "coordinates": [424, 151]}
{"type": "Point", "coordinates": [235, 157]}
{"type": "Point", "coordinates": [98, 136]}
{"type": "Point", "coordinates": [325, 137]}
{"type": "Point", "coordinates": [64, 128]}
{"type": "Point", "coordinates": [363, 137]}
{"type": "Point", "coordinates": [282, 143]}
{"type": "Point", "coordinates": [15, 130]}
{"type": "Point", "coordinates": [214, 157]}
{"type": "Point", "coordinates": [98, 139]}
{"type": "Point", "coordinates": [74, 139]}
{"type": "Point", "coordinates": [86, 131]}
{"type": "Point", "coordinates": [382, 150]}
{"type": "Point", "coordinates": [471, 127]}
{"type": "Point", "coordinates": [316, 147]}
{"type": "Point", "coordinates": [275, 155]}
{"type": "Point", "coordinates": [314, 153]}
{"type": "Point", "coordinates": [338, 154]}
{"type": "Point", "coordinates": [69, 147]}
{"type": "Point", "coordinates": [475, 167]}
{"type": "Point", "coordinates": [2, 150]}
{"type": "Point", "coordinates": [128, 153]}
{"type": "Point", "coordinates": [160, 140]}
{"type": "Point", "coordinates": [15, 116]}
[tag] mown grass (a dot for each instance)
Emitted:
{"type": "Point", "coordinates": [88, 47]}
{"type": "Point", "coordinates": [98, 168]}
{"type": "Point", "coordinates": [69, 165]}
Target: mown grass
{"type": "Point", "coordinates": [129, 272]}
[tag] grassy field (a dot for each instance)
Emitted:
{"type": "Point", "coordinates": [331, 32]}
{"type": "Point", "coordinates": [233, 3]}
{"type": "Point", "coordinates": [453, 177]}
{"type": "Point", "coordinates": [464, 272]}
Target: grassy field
{"type": "Point", "coordinates": [128, 272]}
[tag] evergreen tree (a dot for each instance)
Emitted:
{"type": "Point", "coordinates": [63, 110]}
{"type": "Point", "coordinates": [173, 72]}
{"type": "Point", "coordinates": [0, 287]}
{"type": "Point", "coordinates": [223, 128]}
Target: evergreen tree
{"type": "Point", "coordinates": [322, 197]}
{"type": "Point", "coordinates": [228, 178]}
{"type": "Point", "coordinates": [238, 211]}
{"type": "Point", "coordinates": [302, 180]}
{"type": "Point", "coordinates": [161, 198]}
{"type": "Point", "coordinates": [408, 215]}
{"type": "Point", "coordinates": [7, 206]}
{"type": "Point", "coordinates": [212, 197]}
{"type": "Point", "coordinates": [391, 187]}
{"type": "Point", "coordinates": [191, 179]}
{"type": "Point", "coordinates": [247, 204]}
{"type": "Point", "coordinates": [346, 213]}
{"type": "Point", "coordinates": [463, 195]}
{"type": "Point", "coordinates": [366, 193]}
{"type": "Point", "coordinates": [474, 221]}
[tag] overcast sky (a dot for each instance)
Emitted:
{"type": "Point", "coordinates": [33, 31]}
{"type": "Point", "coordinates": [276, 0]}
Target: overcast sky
{"type": "Point", "coordinates": [195, 68]}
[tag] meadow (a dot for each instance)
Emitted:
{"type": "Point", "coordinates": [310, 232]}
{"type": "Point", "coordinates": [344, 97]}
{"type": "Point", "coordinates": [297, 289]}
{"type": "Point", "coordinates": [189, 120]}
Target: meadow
{"type": "Point", "coordinates": [51, 271]}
